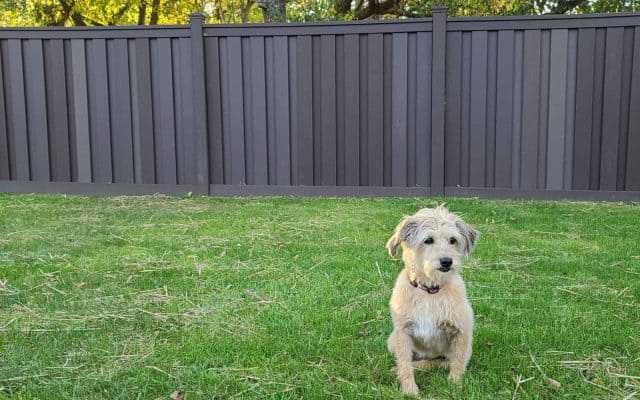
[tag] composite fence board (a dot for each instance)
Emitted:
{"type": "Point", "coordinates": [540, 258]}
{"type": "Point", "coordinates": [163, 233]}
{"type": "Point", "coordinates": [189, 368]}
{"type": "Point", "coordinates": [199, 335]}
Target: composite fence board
{"type": "Point", "coordinates": [543, 98]}
{"type": "Point", "coordinates": [293, 103]}
{"type": "Point", "coordinates": [120, 103]}
{"type": "Point", "coordinates": [81, 112]}
{"type": "Point", "coordinates": [423, 109]}
{"type": "Point", "coordinates": [633, 145]}
{"type": "Point", "coordinates": [584, 107]}
{"type": "Point", "coordinates": [57, 110]}
{"type": "Point", "coordinates": [504, 108]}
{"type": "Point", "coordinates": [281, 108]}
{"type": "Point", "coordinates": [98, 95]}
{"type": "Point", "coordinates": [492, 53]}
{"type": "Point", "coordinates": [611, 109]}
{"type": "Point", "coordinates": [557, 111]}
{"type": "Point", "coordinates": [214, 110]}
{"type": "Point", "coordinates": [597, 117]}
{"type": "Point", "coordinates": [305, 110]}
{"type": "Point", "coordinates": [410, 159]}
{"type": "Point", "coordinates": [17, 110]}
{"type": "Point", "coordinates": [516, 138]}
{"type": "Point", "coordinates": [399, 131]}
{"type": "Point", "coordinates": [351, 110]}
{"type": "Point", "coordinates": [387, 109]}
{"type": "Point", "coordinates": [623, 137]}
{"type": "Point", "coordinates": [478, 109]}
{"type": "Point", "coordinates": [364, 110]}
{"type": "Point", "coordinates": [36, 110]}
{"type": "Point", "coordinates": [375, 114]}
{"type": "Point", "coordinates": [327, 110]}
{"type": "Point", "coordinates": [5, 151]}
{"type": "Point", "coordinates": [570, 108]}
{"type": "Point", "coordinates": [530, 109]}
{"type": "Point", "coordinates": [454, 104]}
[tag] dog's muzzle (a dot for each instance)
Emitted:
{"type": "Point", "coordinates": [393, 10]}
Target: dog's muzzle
{"type": "Point", "coordinates": [445, 264]}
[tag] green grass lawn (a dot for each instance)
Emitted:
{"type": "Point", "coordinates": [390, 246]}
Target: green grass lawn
{"type": "Point", "coordinates": [286, 298]}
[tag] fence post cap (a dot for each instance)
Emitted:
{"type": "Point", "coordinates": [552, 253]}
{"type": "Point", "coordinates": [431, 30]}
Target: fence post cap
{"type": "Point", "coordinates": [196, 16]}
{"type": "Point", "coordinates": [439, 9]}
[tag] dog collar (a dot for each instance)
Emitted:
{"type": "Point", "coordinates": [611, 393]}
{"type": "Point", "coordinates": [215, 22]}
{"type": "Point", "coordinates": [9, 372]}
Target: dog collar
{"type": "Point", "coordinates": [428, 289]}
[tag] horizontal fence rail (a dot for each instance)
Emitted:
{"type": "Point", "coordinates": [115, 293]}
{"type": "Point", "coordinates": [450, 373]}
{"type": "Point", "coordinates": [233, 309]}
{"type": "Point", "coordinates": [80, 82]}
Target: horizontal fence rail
{"type": "Point", "coordinates": [541, 107]}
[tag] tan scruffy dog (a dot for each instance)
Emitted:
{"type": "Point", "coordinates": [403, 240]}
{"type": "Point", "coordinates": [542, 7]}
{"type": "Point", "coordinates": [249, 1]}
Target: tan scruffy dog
{"type": "Point", "coordinates": [432, 318]}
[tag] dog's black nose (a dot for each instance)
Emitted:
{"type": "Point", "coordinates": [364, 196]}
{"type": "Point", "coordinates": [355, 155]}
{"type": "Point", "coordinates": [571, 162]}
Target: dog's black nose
{"type": "Point", "coordinates": [446, 262]}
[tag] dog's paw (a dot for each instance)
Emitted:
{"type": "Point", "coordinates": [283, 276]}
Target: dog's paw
{"type": "Point", "coordinates": [409, 388]}
{"type": "Point", "coordinates": [455, 378]}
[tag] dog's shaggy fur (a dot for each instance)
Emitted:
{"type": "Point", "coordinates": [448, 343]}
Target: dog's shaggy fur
{"type": "Point", "coordinates": [432, 318]}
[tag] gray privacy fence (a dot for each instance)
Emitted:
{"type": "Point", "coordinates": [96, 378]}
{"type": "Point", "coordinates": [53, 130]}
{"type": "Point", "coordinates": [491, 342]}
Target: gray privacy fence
{"type": "Point", "coordinates": [535, 107]}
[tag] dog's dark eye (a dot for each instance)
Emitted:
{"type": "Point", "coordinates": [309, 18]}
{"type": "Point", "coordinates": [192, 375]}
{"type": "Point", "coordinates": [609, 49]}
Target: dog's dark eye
{"type": "Point", "coordinates": [428, 241]}
{"type": "Point", "coordinates": [453, 241]}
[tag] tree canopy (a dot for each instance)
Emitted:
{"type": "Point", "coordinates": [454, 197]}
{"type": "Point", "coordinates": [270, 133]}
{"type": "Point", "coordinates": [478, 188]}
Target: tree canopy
{"type": "Point", "coordinates": [153, 12]}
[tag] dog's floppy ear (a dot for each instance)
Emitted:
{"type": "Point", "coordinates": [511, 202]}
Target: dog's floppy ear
{"type": "Point", "coordinates": [404, 231]}
{"type": "Point", "coordinates": [469, 234]}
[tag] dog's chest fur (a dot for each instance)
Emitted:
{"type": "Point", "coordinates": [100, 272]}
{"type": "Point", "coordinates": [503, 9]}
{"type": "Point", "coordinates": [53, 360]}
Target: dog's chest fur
{"type": "Point", "coordinates": [430, 329]}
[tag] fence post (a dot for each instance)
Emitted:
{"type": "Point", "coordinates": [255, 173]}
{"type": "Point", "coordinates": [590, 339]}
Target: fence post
{"type": "Point", "coordinates": [199, 104]}
{"type": "Point", "coordinates": [438, 76]}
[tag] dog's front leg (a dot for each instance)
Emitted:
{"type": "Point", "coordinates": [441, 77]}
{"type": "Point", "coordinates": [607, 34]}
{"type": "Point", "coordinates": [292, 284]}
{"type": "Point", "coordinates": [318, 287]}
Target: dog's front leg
{"type": "Point", "coordinates": [402, 348]}
{"type": "Point", "coordinates": [460, 355]}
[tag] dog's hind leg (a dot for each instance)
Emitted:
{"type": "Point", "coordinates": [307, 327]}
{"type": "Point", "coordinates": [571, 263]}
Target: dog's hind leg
{"type": "Point", "coordinates": [400, 345]}
{"type": "Point", "coordinates": [424, 365]}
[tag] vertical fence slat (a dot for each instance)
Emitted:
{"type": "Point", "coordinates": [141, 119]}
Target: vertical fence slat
{"type": "Point", "coordinates": [352, 110]}
{"type": "Point", "coordinates": [327, 109]}
{"type": "Point", "coordinates": [81, 111]}
{"type": "Point", "coordinates": [504, 108]}
{"type": "Point", "coordinates": [293, 110]}
{"type": "Point", "coordinates": [120, 103]}
{"type": "Point", "coordinates": [17, 110]}
{"type": "Point", "coordinates": [570, 108]}
{"type": "Point", "coordinates": [530, 109]}
{"type": "Point", "coordinates": [596, 113]}
{"type": "Point", "coordinates": [259, 112]}
{"type": "Point", "coordinates": [453, 109]}
{"type": "Point", "coordinates": [611, 109]}
{"type": "Point", "coordinates": [56, 98]}
{"type": "Point", "coordinates": [438, 79]}
{"type": "Point", "coordinates": [543, 107]}
{"type": "Point", "coordinates": [236, 112]}
{"type": "Point", "coordinates": [305, 111]}
{"type": "Point", "coordinates": [492, 61]}
{"type": "Point", "coordinates": [387, 97]}
{"type": "Point", "coordinates": [557, 109]}
{"type": "Point", "coordinates": [375, 110]}
{"type": "Point", "coordinates": [363, 73]}
{"type": "Point", "coordinates": [5, 171]}
{"type": "Point", "coordinates": [163, 114]}
{"type": "Point", "coordinates": [478, 109]}
{"type": "Point", "coordinates": [199, 103]}
{"type": "Point", "coordinates": [633, 145]}
{"type": "Point", "coordinates": [465, 98]}
{"type": "Point", "coordinates": [518, 84]}
{"type": "Point", "coordinates": [192, 170]}
{"type": "Point", "coordinates": [423, 109]}
{"type": "Point", "coordinates": [247, 97]}
{"type": "Point", "coordinates": [98, 88]}
{"type": "Point", "coordinates": [399, 111]}
{"type": "Point", "coordinates": [214, 110]}
{"type": "Point", "coordinates": [340, 110]}
{"type": "Point", "coordinates": [625, 97]}
{"type": "Point", "coordinates": [36, 110]}
{"type": "Point", "coordinates": [412, 83]}
{"type": "Point", "coordinates": [584, 108]}
{"type": "Point", "coordinates": [281, 91]}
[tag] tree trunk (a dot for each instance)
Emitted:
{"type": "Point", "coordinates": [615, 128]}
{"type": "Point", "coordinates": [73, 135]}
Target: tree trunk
{"type": "Point", "coordinates": [274, 10]}
{"type": "Point", "coordinates": [142, 12]}
{"type": "Point", "coordinates": [154, 12]}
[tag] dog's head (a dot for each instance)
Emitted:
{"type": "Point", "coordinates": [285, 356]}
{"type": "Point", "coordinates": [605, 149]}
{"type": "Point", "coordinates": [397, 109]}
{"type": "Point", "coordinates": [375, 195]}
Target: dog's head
{"type": "Point", "coordinates": [434, 241]}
